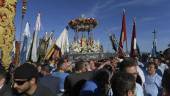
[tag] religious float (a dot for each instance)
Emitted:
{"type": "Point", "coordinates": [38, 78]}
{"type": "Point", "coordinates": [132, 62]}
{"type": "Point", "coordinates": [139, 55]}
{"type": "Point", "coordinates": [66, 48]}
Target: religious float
{"type": "Point", "coordinates": [84, 45]}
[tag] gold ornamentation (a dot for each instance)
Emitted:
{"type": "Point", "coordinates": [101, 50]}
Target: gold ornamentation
{"type": "Point", "coordinates": [7, 29]}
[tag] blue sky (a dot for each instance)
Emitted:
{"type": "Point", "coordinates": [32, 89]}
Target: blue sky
{"type": "Point", "coordinates": [150, 15]}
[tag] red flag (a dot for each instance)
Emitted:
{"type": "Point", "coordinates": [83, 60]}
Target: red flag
{"type": "Point", "coordinates": [133, 51]}
{"type": "Point", "coordinates": [123, 37]}
{"type": "Point", "coordinates": [54, 53]}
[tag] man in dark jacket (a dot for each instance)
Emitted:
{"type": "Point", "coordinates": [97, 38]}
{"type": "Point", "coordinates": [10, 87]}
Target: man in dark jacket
{"type": "Point", "coordinates": [73, 82]}
{"type": "Point", "coordinates": [48, 80]}
{"type": "Point", "coordinates": [26, 83]}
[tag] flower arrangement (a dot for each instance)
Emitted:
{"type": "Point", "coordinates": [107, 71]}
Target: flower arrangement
{"type": "Point", "coordinates": [83, 24]}
{"type": "Point", "coordinates": [77, 48]}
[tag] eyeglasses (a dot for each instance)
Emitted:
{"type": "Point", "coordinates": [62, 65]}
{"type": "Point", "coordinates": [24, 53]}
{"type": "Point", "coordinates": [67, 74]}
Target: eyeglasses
{"type": "Point", "coordinates": [20, 82]}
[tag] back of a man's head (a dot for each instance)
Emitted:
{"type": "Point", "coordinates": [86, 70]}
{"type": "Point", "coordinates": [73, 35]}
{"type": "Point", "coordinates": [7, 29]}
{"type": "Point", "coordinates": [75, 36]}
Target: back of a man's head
{"type": "Point", "coordinates": [80, 66]}
{"type": "Point", "coordinates": [122, 83]}
{"type": "Point", "coordinates": [46, 68]}
{"type": "Point", "coordinates": [166, 53]}
{"type": "Point", "coordinates": [127, 62]}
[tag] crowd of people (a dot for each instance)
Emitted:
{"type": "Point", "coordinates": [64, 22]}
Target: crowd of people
{"type": "Point", "coordinates": [112, 76]}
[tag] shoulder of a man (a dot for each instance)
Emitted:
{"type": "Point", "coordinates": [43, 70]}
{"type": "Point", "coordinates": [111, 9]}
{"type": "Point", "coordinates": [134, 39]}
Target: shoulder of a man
{"type": "Point", "coordinates": [139, 90]}
{"type": "Point", "coordinates": [43, 91]}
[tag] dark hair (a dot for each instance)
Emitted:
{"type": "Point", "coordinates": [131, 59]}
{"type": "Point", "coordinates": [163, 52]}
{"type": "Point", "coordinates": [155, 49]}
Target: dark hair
{"type": "Point", "coordinates": [46, 68]}
{"type": "Point", "coordinates": [127, 62]}
{"type": "Point", "coordinates": [79, 65]}
{"type": "Point", "coordinates": [166, 53]}
{"type": "Point", "coordinates": [108, 67]}
{"type": "Point", "coordinates": [2, 73]}
{"type": "Point", "coordinates": [101, 78]}
{"type": "Point", "coordinates": [152, 63]}
{"type": "Point", "coordinates": [26, 71]}
{"type": "Point", "coordinates": [166, 80]}
{"type": "Point", "coordinates": [121, 83]}
{"type": "Point", "coordinates": [60, 63]}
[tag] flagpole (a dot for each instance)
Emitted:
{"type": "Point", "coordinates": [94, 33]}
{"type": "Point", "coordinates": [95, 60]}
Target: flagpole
{"type": "Point", "coordinates": [126, 46]}
{"type": "Point", "coordinates": [22, 20]}
{"type": "Point", "coordinates": [126, 36]}
{"type": "Point", "coordinates": [123, 53]}
{"type": "Point", "coordinates": [154, 35]}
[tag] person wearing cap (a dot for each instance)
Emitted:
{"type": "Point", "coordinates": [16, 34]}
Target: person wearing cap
{"type": "Point", "coordinates": [25, 82]}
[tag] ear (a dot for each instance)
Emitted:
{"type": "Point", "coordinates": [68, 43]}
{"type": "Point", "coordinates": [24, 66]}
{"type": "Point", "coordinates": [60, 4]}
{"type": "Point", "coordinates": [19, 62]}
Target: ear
{"type": "Point", "coordinates": [33, 81]}
{"type": "Point", "coordinates": [130, 93]}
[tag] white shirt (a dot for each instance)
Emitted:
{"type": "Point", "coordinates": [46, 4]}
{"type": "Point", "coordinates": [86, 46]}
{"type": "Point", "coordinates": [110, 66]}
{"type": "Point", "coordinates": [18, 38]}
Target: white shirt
{"type": "Point", "coordinates": [141, 74]}
{"type": "Point", "coordinates": [163, 67]}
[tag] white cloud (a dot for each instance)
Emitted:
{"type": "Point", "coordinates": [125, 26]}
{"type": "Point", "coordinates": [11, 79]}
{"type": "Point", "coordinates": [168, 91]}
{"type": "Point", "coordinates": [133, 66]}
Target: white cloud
{"type": "Point", "coordinates": [111, 4]}
{"type": "Point", "coordinates": [130, 2]}
{"type": "Point", "coordinates": [98, 7]}
{"type": "Point", "coordinates": [138, 2]}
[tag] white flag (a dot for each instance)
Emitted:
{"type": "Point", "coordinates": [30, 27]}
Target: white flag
{"type": "Point", "coordinates": [27, 30]}
{"type": "Point", "coordinates": [25, 44]}
{"type": "Point", "coordinates": [34, 56]}
{"type": "Point", "coordinates": [62, 41]}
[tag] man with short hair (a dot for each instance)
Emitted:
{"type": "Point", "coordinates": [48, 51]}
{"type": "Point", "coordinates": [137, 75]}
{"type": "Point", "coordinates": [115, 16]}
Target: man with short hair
{"type": "Point", "coordinates": [80, 67]}
{"type": "Point", "coordinates": [129, 65]}
{"type": "Point", "coordinates": [161, 66]}
{"type": "Point", "coordinates": [152, 85]}
{"type": "Point", "coordinates": [123, 84]}
{"type": "Point", "coordinates": [25, 82]}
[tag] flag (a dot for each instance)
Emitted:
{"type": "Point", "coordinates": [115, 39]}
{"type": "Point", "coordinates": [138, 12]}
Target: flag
{"type": "Point", "coordinates": [114, 42]}
{"type": "Point", "coordinates": [154, 47]}
{"type": "Point", "coordinates": [54, 53]}
{"type": "Point", "coordinates": [43, 46]}
{"type": "Point", "coordinates": [123, 37]}
{"type": "Point", "coordinates": [29, 54]}
{"type": "Point", "coordinates": [26, 34]}
{"type": "Point", "coordinates": [50, 42]}
{"type": "Point", "coordinates": [34, 56]}
{"type": "Point", "coordinates": [62, 42]}
{"type": "Point", "coordinates": [133, 51]}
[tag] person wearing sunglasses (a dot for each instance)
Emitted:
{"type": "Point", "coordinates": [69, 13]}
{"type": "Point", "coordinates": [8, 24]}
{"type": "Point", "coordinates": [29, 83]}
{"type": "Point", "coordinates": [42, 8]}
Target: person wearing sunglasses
{"type": "Point", "coordinates": [25, 82]}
